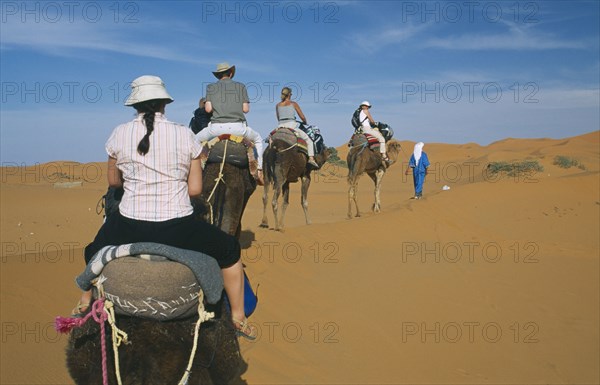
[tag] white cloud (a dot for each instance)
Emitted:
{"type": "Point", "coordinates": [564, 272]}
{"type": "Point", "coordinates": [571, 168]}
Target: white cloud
{"type": "Point", "coordinates": [69, 39]}
{"type": "Point", "coordinates": [378, 39]}
{"type": "Point", "coordinates": [516, 38]}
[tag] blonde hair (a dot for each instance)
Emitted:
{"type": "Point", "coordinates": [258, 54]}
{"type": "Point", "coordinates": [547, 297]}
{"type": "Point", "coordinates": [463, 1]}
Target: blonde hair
{"type": "Point", "coordinates": [285, 92]}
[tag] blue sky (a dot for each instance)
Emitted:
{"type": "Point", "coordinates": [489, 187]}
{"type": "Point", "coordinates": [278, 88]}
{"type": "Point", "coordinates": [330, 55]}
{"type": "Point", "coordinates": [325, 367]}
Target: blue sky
{"type": "Point", "coordinates": [451, 71]}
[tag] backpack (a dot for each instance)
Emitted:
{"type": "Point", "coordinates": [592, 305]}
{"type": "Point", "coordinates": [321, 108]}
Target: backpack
{"type": "Point", "coordinates": [385, 130]}
{"type": "Point", "coordinates": [356, 123]}
{"type": "Point", "coordinates": [314, 134]}
{"type": "Point", "coordinates": [200, 120]}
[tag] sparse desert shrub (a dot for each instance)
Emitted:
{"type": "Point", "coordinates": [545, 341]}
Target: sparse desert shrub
{"type": "Point", "coordinates": [526, 167]}
{"type": "Point", "coordinates": [335, 159]}
{"type": "Point", "coordinates": [567, 162]}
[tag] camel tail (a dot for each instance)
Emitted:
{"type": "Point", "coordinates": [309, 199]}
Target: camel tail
{"type": "Point", "coordinates": [268, 167]}
{"type": "Point", "coordinates": [351, 160]}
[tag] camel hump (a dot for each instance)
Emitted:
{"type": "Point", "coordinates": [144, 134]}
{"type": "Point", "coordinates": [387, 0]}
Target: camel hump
{"type": "Point", "coordinates": [151, 289]}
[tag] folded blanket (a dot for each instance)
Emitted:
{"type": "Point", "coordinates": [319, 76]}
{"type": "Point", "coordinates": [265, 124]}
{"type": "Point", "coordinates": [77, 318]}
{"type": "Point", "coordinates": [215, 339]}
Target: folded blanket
{"type": "Point", "coordinates": [204, 267]}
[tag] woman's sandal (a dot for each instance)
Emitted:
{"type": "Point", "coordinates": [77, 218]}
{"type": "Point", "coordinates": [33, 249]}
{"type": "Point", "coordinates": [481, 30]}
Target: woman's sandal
{"type": "Point", "coordinates": [79, 310]}
{"type": "Point", "coordinates": [243, 329]}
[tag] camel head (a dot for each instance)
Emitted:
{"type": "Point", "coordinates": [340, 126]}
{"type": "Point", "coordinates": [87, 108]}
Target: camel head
{"type": "Point", "coordinates": [323, 156]}
{"type": "Point", "coordinates": [393, 150]}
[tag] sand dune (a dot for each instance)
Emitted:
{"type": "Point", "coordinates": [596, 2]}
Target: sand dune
{"type": "Point", "coordinates": [493, 281]}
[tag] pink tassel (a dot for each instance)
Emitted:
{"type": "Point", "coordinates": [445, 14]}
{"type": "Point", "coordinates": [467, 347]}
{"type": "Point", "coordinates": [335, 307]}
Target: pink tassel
{"type": "Point", "coordinates": [65, 324]}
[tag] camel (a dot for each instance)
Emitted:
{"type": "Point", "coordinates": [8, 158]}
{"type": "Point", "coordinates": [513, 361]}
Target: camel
{"type": "Point", "coordinates": [227, 190]}
{"type": "Point", "coordinates": [284, 164]}
{"type": "Point", "coordinates": [363, 160]}
{"type": "Point", "coordinates": [159, 351]}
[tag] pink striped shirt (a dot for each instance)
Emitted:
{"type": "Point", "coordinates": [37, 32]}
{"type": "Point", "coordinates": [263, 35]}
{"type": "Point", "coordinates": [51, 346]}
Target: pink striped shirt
{"type": "Point", "coordinates": [156, 183]}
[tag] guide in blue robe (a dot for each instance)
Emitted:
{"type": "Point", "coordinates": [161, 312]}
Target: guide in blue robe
{"type": "Point", "coordinates": [419, 163]}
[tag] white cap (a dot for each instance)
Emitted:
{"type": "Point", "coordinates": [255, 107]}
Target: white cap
{"type": "Point", "coordinates": [366, 103]}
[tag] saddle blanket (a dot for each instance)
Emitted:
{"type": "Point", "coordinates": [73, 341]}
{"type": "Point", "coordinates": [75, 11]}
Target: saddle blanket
{"type": "Point", "coordinates": [290, 137]}
{"type": "Point", "coordinates": [361, 139]}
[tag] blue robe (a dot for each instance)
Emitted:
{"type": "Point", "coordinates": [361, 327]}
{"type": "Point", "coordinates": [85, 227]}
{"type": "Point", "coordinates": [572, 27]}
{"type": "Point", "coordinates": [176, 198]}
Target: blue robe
{"type": "Point", "coordinates": [419, 172]}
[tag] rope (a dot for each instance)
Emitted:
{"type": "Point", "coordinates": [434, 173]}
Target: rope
{"type": "Point", "coordinates": [364, 145]}
{"type": "Point", "coordinates": [289, 148]}
{"type": "Point", "coordinates": [202, 317]}
{"type": "Point", "coordinates": [217, 180]}
{"type": "Point", "coordinates": [118, 335]}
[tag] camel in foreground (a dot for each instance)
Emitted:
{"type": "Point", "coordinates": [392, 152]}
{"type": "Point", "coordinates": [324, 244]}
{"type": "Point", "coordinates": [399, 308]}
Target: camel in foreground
{"type": "Point", "coordinates": [159, 351]}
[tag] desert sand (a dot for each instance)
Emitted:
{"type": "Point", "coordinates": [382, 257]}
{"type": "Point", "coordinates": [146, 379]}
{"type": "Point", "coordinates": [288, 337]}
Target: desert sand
{"type": "Point", "coordinates": [495, 280]}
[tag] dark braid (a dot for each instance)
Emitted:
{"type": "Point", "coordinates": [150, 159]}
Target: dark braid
{"type": "Point", "coordinates": [149, 108]}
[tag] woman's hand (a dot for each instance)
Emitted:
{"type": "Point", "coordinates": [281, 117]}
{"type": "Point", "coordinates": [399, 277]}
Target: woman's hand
{"type": "Point", "coordinates": [260, 180]}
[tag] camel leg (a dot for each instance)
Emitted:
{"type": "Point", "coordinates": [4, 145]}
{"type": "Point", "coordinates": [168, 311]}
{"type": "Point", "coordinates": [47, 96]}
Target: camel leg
{"type": "Point", "coordinates": [286, 202]}
{"type": "Point", "coordinates": [356, 199]}
{"type": "Point", "coordinates": [304, 197]}
{"type": "Point", "coordinates": [276, 193]}
{"type": "Point", "coordinates": [265, 199]}
{"type": "Point", "coordinates": [377, 177]}
{"type": "Point", "coordinates": [353, 196]}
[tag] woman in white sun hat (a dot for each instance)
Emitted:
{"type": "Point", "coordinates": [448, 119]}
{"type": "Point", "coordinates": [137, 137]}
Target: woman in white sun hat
{"type": "Point", "coordinates": [367, 124]}
{"type": "Point", "coordinates": [157, 162]}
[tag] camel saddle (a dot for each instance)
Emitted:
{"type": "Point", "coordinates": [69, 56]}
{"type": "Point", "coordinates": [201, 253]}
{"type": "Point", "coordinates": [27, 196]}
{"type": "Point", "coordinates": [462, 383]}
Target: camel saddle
{"type": "Point", "coordinates": [288, 135]}
{"type": "Point", "coordinates": [240, 151]}
{"type": "Point", "coordinates": [364, 140]}
{"type": "Point", "coordinates": [152, 289]}
{"type": "Point", "coordinates": [153, 281]}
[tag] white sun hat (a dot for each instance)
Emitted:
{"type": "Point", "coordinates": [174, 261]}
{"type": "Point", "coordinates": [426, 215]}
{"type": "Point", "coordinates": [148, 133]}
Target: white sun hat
{"type": "Point", "coordinates": [365, 103]}
{"type": "Point", "coordinates": [147, 87]}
